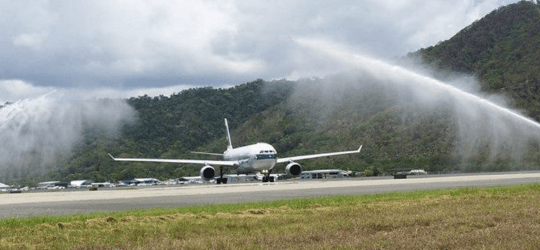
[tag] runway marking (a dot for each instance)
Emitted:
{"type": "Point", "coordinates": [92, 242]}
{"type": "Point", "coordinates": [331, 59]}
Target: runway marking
{"type": "Point", "coordinates": [41, 197]}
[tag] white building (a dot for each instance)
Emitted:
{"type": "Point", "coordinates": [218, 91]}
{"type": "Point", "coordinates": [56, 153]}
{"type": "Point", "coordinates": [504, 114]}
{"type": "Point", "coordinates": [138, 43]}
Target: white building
{"type": "Point", "coordinates": [81, 183]}
{"type": "Point", "coordinates": [103, 184]}
{"type": "Point", "coordinates": [147, 181]}
{"type": "Point", "coordinates": [190, 180]}
{"type": "Point", "coordinates": [47, 184]}
{"type": "Point", "coordinates": [171, 182]}
{"type": "Point", "coordinates": [4, 187]}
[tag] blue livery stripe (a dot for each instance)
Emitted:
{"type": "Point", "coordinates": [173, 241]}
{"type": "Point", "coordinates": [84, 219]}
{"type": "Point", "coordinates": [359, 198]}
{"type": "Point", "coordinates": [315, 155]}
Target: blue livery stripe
{"type": "Point", "coordinates": [266, 156]}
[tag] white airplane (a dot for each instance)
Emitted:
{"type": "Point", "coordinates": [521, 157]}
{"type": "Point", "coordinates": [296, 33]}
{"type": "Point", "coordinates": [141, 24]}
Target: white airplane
{"type": "Point", "coordinates": [260, 157]}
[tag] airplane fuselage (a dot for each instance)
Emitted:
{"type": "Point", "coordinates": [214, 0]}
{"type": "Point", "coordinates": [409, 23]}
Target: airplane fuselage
{"type": "Point", "coordinates": [253, 158]}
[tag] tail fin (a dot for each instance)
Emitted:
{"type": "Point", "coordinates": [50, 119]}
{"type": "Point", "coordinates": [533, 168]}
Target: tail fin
{"type": "Point", "coordinates": [228, 135]}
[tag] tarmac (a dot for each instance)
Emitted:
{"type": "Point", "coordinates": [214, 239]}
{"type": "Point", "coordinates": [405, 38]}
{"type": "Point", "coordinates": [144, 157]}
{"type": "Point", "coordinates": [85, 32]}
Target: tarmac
{"type": "Point", "coordinates": [114, 199]}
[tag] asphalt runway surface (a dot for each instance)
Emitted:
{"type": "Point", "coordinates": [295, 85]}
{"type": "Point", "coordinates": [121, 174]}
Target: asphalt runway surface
{"type": "Point", "coordinates": [105, 200]}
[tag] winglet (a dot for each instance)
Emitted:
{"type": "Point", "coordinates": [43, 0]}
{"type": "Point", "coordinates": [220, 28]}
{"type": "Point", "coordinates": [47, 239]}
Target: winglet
{"type": "Point", "coordinates": [111, 156]}
{"type": "Point", "coordinates": [359, 149]}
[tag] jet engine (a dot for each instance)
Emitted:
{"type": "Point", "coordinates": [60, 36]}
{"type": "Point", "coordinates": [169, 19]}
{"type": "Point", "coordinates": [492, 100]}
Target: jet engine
{"type": "Point", "coordinates": [208, 172]}
{"type": "Point", "coordinates": [293, 169]}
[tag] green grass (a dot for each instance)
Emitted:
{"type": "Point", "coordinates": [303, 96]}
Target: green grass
{"type": "Point", "coordinates": [495, 218]}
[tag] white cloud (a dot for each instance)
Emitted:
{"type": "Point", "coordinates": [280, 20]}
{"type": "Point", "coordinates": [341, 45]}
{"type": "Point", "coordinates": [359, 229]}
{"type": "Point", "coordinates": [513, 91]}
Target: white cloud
{"type": "Point", "coordinates": [33, 40]}
{"type": "Point", "coordinates": [153, 43]}
{"type": "Point", "coordinates": [434, 21]}
{"type": "Point", "coordinates": [14, 90]}
{"type": "Point", "coordinates": [124, 93]}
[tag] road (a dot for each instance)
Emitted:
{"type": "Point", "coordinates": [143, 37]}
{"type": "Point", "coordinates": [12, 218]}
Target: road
{"type": "Point", "coordinates": [84, 201]}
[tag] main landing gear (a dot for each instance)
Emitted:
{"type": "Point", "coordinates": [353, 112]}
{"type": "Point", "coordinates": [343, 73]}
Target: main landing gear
{"type": "Point", "coordinates": [267, 177]}
{"type": "Point", "coordinates": [221, 179]}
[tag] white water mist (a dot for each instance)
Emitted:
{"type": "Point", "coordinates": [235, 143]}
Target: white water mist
{"type": "Point", "coordinates": [482, 124]}
{"type": "Point", "coordinates": [37, 133]}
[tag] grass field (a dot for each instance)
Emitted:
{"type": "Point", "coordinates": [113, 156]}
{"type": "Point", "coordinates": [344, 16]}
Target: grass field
{"type": "Point", "coordinates": [469, 218]}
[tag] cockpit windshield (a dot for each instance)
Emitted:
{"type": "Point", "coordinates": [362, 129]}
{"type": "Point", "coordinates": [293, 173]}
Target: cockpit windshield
{"type": "Point", "coordinates": [266, 154]}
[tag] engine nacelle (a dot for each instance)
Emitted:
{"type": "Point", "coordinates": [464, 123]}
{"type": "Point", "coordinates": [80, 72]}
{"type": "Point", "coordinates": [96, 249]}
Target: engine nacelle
{"type": "Point", "coordinates": [293, 169]}
{"type": "Point", "coordinates": [208, 172]}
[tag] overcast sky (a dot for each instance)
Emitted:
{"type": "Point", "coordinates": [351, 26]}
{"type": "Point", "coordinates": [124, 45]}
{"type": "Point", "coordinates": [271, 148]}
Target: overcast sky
{"type": "Point", "coordinates": [128, 48]}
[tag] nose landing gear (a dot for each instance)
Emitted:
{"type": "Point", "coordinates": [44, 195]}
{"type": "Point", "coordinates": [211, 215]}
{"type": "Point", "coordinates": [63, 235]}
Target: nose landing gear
{"type": "Point", "coordinates": [267, 177]}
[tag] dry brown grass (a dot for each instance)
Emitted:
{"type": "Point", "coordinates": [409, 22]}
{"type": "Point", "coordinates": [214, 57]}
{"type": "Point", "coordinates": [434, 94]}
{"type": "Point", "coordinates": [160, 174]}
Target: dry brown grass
{"type": "Point", "coordinates": [464, 219]}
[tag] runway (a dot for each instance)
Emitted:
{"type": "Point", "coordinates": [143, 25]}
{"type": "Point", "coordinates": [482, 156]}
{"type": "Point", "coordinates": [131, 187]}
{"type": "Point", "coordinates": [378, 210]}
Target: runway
{"type": "Point", "coordinates": [84, 201]}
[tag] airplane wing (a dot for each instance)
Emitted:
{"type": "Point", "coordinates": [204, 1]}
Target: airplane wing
{"type": "Point", "coordinates": [303, 157]}
{"type": "Point", "coordinates": [201, 162]}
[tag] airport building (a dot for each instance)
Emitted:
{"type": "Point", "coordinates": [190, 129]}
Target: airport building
{"type": "Point", "coordinates": [4, 187]}
{"type": "Point", "coordinates": [103, 184]}
{"type": "Point", "coordinates": [148, 181]}
{"type": "Point", "coordinates": [190, 180]}
{"type": "Point", "coordinates": [324, 174]}
{"type": "Point", "coordinates": [81, 183]}
{"type": "Point", "coordinates": [52, 185]}
{"type": "Point", "coordinates": [143, 182]}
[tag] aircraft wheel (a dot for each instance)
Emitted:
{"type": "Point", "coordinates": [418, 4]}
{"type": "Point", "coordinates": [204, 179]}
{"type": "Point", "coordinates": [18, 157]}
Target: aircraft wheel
{"type": "Point", "coordinates": [218, 180]}
{"type": "Point", "coordinates": [265, 179]}
{"type": "Point", "coordinates": [224, 181]}
{"type": "Point", "coordinates": [271, 178]}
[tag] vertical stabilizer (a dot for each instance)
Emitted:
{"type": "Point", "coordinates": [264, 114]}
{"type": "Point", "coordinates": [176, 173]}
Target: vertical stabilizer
{"type": "Point", "coordinates": [228, 135]}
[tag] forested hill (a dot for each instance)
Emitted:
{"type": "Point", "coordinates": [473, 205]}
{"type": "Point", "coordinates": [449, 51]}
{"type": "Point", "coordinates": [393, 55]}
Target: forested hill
{"type": "Point", "coordinates": [188, 119]}
{"type": "Point", "coordinates": [501, 49]}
